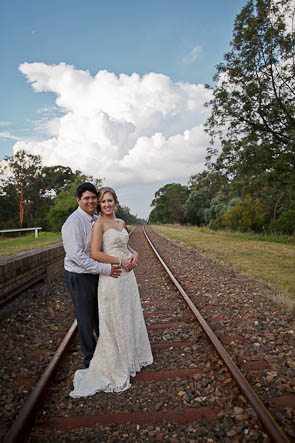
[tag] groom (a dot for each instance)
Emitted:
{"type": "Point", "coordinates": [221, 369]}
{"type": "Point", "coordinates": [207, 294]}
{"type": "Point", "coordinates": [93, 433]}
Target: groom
{"type": "Point", "coordinates": [81, 271]}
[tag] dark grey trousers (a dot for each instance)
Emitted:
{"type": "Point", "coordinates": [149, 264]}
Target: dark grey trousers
{"type": "Point", "coordinates": [83, 290]}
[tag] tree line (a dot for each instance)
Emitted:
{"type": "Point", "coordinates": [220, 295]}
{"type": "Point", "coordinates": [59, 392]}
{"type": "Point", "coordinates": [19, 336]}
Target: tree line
{"type": "Point", "coordinates": [249, 181]}
{"type": "Point", "coordinates": [35, 195]}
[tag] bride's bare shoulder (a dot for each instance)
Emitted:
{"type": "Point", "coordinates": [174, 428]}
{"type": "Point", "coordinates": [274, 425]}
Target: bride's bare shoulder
{"type": "Point", "coordinates": [99, 225]}
{"type": "Point", "coordinates": [121, 223]}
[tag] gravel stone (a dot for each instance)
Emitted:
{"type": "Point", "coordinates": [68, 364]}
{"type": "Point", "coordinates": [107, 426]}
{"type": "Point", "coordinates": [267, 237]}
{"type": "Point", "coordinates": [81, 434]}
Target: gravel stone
{"type": "Point", "coordinates": [241, 312]}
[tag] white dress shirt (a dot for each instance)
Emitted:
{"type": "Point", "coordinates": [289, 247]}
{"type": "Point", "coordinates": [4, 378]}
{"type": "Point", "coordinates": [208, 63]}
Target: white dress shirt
{"type": "Point", "coordinates": [76, 237]}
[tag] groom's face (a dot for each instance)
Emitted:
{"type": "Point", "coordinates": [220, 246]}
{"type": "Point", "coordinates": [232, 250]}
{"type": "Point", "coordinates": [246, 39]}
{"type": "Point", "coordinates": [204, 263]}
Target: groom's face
{"type": "Point", "coordinates": [88, 202]}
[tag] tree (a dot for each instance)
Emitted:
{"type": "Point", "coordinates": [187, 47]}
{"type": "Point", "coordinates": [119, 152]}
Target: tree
{"type": "Point", "coordinates": [8, 212]}
{"type": "Point", "coordinates": [27, 188]}
{"type": "Point", "coordinates": [56, 178]}
{"type": "Point", "coordinates": [169, 204]}
{"type": "Point", "coordinates": [65, 202]}
{"type": "Point", "coordinates": [253, 107]}
{"type": "Point", "coordinates": [197, 206]}
{"type": "Point", "coordinates": [218, 206]}
{"type": "Point", "coordinates": [21, 175]}
{"type": "Point", "coordinates": [285, 223]}
{"type": "Point", "coordinates": [211, 179]}
{"type": "Point", "coordinates": [124, 213]}
{"type": "Point", "coordinates": [247, 215]}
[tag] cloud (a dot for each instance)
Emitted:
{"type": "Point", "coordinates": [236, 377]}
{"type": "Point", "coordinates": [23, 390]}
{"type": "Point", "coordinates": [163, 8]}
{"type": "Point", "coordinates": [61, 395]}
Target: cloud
{"type": "Point", "coordinates": [48, 110]}
{"type": "Point", "coordinates": [4, 123]}
{"type": "Point", "coordinates": [126, 129]}
{"type": "Point", "coordinates": [9, 136]}
{"type": "Point", "coordinates": [132, 127]}
{"type": "Point", "coordinates": [193, 55]}
{"type": "Point", "coordinates": [287, 11]}
{"type": "Point", "coordinates": [47, 127]}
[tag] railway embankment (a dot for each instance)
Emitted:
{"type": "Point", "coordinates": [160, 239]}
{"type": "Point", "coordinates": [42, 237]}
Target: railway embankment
{"type": "Point", "coordinates": [19, 272]}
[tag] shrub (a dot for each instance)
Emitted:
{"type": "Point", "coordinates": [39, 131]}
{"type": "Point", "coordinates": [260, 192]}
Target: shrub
{"type": "Point", "coordinates": [285, 224]}
{"type": "Point", "coordinates": [216, 224]}
{"type": "Point", "coordinates": [247, 215]}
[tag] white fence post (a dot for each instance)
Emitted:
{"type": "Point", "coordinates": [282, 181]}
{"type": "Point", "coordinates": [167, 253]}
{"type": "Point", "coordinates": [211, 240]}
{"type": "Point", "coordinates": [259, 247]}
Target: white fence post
{"type": "Point", "coordinates": [23, 229]}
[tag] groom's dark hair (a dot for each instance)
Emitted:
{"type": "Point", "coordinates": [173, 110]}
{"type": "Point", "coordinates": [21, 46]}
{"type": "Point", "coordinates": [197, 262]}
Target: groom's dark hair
{"type": "Point", "coordinates": [83, 187]}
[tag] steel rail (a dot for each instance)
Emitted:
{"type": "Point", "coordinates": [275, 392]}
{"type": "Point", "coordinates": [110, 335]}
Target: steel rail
{"type": "Point", "coordinates": [268, 422]}
{"type": "Point", "coordinates": [132, 230]}
{"type": "Point", "coordinates": [21, 422]}
{"type": "Point", "coordinates": [20, 425]}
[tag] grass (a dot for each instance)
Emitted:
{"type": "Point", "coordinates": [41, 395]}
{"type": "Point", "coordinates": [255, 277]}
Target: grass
{"type": "Point", "coordinates": [11, 246]}
{"type": "Point", "coordinates": [26, 242]}
{"type": "Point", "coordinates": [271, 260]}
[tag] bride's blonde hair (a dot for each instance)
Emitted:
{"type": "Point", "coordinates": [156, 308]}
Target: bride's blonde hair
{"type": "Point", "coordinates": [103, 191]}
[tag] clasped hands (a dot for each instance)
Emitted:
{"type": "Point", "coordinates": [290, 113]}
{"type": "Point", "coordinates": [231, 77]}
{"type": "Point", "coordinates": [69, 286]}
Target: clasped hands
{"type": "Point", "coordinates": [127, 263]}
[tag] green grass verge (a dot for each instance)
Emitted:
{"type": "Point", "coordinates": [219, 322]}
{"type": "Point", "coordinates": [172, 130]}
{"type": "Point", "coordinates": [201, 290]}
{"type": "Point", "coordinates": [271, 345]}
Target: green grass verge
{"type": "Point", "coordinates": [11, 246]}
{"type": "Point", "coordinates": [271, 261]}
{"type": "Point", "coordinates": [27, 241]}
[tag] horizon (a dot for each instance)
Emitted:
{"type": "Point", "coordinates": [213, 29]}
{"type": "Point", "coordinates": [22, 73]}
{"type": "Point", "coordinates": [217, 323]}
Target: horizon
{"type": "Point", "coordinates": [116, 91]}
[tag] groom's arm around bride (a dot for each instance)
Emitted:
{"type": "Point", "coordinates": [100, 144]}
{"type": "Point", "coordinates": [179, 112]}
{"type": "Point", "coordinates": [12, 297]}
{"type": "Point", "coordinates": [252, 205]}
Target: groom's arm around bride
{"type": "Point", "coordinates": [81, 271]}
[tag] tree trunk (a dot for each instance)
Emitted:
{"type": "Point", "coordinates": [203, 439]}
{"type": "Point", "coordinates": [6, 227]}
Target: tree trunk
{"type": "Point", "coordinates": [21, 207]}
{"type": "Point", "coordinates": [277, 205]}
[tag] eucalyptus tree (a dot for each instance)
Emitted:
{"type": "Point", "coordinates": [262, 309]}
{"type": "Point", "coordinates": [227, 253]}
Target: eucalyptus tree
{"type": "Point", "coordinates": [197, 205]}
{"type": "Point", "coordinates": [28, 189]}
{"type": "Point", "coordinates": [19, 175]}
{"type": "Point", "coordinates": [124, 213]}
{"type": "Point", "coordinates": [212, 179]}
{"type": "Point", "coordinates": [253, 106]}
{"type": "Point", "coordinates": [169, 204]}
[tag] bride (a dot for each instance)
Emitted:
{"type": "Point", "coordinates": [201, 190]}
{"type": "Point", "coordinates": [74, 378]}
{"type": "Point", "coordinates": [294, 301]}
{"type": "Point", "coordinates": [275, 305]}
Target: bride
{"type": "Point", "coordinates": [123, 347]}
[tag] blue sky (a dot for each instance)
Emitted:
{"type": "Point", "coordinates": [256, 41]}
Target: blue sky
{"type": "Point", "coordinates": [184, 40]}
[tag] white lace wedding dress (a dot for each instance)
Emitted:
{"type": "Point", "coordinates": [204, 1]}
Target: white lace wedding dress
{"type": "Point", "coordinates": [123, 346]}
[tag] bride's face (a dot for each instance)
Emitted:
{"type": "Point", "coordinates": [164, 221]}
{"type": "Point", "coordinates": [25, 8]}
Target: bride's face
{"type": "Point", "coordinates": [107, 204]}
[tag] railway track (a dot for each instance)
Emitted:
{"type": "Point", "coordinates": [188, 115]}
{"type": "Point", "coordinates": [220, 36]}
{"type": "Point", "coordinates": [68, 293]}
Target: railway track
{"type": "Point", "coordinates": [190, 393]}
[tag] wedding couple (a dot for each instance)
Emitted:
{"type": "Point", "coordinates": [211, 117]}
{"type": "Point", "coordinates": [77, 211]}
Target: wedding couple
{"type": "Point", "coordinates": [109, 307]}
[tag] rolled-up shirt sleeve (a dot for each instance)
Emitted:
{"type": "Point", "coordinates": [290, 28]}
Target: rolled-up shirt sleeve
{"type": "Point", "coordinates": [76, 256]}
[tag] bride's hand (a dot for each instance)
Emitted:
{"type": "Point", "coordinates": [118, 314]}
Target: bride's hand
{"type": "Point", "coordinates": [126, 263]}
{"type": "Point", "coordinates": [133, 261]}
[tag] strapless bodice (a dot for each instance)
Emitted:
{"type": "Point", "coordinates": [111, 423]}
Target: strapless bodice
{"type": "Point", "coordinates": [115, 242]}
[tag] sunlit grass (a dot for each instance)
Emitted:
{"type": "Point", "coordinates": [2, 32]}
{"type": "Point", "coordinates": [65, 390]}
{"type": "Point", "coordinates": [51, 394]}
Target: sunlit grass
{"type": "Point", "coordinates": [271, 261]}
{"type": "Point", "coordinates": [11, 246]}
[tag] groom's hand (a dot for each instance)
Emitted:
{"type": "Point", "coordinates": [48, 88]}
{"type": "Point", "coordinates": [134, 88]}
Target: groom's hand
{"type": "Point", "coordinates": [115, 271]}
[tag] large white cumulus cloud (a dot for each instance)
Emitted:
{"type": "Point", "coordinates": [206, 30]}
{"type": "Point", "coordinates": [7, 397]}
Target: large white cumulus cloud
{"type": "Point", "coordinates": [127, 129]}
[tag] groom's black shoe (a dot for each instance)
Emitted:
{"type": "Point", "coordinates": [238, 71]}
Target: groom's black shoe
{"type": "Point", "coordinates": [87, 360]}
